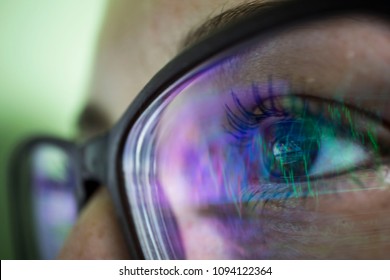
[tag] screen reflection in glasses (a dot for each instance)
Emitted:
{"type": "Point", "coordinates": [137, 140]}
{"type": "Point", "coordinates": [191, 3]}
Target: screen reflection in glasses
{"type": "Point", "coordinates": [277, 149]}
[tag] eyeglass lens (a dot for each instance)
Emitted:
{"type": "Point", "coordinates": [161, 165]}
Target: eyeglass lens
{"type": "Point", "coordinates": [274, 149]}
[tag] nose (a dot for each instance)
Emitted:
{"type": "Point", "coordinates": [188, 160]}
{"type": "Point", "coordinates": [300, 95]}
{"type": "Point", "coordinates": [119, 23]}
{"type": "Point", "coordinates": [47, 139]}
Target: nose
{"type": "Point", "coordinates": [97, 233]}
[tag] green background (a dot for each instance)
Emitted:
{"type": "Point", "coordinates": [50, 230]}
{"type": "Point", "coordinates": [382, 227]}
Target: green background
{"type": "Point", "coordinates": [46, 54]}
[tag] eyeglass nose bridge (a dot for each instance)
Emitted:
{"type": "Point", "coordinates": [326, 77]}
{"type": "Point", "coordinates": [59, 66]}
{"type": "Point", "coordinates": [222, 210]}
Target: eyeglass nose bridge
{"type": "Point", "coordinates": [93, 163]}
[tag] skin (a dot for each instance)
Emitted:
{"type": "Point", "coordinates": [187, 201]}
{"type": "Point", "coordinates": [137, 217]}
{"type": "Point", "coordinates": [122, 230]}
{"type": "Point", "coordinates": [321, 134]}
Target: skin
{"type": "Point", "coordinates": [127, 36]}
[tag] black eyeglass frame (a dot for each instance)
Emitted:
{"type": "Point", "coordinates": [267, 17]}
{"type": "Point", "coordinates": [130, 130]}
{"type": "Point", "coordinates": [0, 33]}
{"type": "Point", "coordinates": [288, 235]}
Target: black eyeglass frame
{"type": "Point", "coordinates": [20, 192]}
{"type": "Point", "coordinates": [101, 159]}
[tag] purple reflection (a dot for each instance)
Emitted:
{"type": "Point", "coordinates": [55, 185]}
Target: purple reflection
{"type": "Point", "coordinates": [55, 206]}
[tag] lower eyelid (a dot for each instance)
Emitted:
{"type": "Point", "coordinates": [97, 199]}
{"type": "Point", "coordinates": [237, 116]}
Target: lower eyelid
{"type": "Point", "coordinates": [355, 190]}
{"type": "Point", "coordinates": [359, 192]}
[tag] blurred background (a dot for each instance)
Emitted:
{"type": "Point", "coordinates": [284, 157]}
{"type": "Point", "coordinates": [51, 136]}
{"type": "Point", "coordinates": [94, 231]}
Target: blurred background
{"type": "Point", "coordinates": [46, 56]}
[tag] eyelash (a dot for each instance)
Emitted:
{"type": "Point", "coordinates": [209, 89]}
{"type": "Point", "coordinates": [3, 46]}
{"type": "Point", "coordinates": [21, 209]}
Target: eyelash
{"type": "Point", "coordinates": [241, 124]}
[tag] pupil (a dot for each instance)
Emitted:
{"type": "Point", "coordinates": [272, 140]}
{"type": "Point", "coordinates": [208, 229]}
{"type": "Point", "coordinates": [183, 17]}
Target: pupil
{"type": "Point", "coordinates": [292, 149]}
{"type": "Point", "coordinates": [287, 152]}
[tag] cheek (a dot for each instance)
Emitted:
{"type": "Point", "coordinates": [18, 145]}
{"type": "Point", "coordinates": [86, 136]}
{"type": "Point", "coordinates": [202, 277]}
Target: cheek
{"type": "Point", "coordinates": [97, 234]}
{"type": "Point", "coordinates": [180, 179]}
{"type": "Point", "coordinates": [183, 170]}
{"type": "Point", "coordinates": [346, 225]}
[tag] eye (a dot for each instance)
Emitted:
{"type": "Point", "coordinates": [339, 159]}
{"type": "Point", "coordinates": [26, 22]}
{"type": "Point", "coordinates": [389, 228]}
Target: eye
{"type": "Point", "coordinates": [296, 140]}
{"type": "Point", "coordinates": [303, 148]}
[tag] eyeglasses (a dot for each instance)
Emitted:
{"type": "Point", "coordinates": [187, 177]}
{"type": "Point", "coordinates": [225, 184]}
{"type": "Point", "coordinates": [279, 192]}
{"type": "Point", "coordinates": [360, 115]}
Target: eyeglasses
{"type": "Point", "coordinates": [268, 139]}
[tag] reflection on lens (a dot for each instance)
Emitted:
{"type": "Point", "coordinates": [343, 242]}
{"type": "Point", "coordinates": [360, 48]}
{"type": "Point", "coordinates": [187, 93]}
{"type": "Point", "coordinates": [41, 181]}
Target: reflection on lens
{"type": "Point", "coordinates": [53, 195]}
{"type": "Point", "coordinates": [275, 149]}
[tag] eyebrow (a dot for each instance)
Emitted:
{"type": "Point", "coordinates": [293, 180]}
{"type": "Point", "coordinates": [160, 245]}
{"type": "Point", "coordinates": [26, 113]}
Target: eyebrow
{"type": "Point", "coordinates": [226, 18]}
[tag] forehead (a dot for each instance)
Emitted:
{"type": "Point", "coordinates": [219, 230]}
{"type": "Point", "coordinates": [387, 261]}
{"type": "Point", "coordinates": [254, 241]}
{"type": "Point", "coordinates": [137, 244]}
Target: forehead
{"type": "Point", "coordinates": [138, 38]}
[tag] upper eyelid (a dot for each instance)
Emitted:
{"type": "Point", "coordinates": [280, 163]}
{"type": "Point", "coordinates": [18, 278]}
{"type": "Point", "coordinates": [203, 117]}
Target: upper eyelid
{"type": "Point", "coordinates": [302, 59]}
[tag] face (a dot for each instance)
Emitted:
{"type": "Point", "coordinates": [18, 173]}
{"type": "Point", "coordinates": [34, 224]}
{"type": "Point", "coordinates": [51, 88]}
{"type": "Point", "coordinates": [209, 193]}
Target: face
{"type": "Point", "coordinates": [139, 38]}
